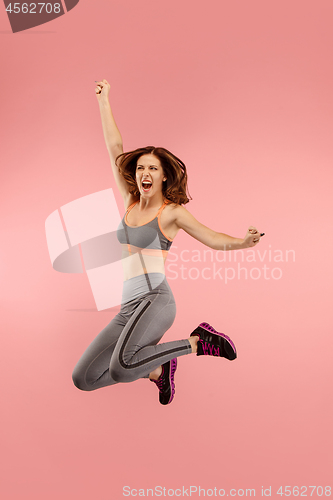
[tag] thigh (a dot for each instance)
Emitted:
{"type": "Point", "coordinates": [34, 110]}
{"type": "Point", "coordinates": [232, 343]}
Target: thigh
{"type": "Point", "coordinates": [137, 351]}
{"type": "Point", "coordinates": [152, 317]}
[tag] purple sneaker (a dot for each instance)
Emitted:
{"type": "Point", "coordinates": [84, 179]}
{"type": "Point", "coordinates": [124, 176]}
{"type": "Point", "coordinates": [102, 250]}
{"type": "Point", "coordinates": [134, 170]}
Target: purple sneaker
{"type": "Point", "coordinates": [213, 343]}
{"type": "Point", "coordinates": [165, 382]}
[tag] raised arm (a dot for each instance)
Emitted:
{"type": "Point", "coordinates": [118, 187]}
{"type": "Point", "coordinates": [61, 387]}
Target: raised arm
{"type": "Point", "coordinates": [218, 241]}
{"type": "Point", "coordinates": [113, 139]}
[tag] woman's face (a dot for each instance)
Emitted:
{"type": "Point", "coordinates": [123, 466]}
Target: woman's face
{"type": "Point", "coordinates": [149, 175]}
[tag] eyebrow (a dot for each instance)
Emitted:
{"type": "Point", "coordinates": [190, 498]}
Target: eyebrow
{"type": "Point", "coordinates": [139, 165]}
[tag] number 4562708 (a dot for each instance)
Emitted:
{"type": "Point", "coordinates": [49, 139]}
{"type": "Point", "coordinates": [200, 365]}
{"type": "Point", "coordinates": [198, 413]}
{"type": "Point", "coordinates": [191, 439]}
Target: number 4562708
{"type": "Point", "coordinates": [32, 8]}
{"type": "Point", "coordinates": [302, 491]}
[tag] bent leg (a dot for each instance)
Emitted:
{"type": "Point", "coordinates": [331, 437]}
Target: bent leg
{"type": "Point", "coordinates": [92, 370]}
{"type": "Point", "coordinates": [136, 353]}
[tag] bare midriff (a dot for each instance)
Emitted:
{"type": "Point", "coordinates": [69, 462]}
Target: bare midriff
{"type": "Point", "coordinates": [137, 261]}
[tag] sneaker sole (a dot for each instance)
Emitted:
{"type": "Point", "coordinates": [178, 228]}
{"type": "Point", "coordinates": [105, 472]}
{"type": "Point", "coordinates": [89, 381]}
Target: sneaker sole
{"type": "Point", "coordinates": [173, 368]}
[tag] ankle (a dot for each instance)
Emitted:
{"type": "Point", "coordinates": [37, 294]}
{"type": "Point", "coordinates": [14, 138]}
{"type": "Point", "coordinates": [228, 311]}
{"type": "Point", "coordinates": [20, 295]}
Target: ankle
{"type": "Point", "coordinates": [194, 343]}
{"type": "Point", "coordinates": [155, 375]}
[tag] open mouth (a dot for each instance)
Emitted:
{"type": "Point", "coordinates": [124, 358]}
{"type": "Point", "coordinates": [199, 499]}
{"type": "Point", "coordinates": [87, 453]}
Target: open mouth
{"type": "Point", "coordinates": [146, 185]}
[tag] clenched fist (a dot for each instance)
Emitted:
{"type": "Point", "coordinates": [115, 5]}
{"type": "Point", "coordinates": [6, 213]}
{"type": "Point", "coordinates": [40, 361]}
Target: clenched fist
{"type": "Point", "coordinates": [102, 89]}
{"type": "Point", "coordinates": [252, 237]}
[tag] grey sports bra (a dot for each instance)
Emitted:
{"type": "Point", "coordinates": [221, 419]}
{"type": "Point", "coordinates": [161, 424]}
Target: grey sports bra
{"type": "Point", "coordinates": [145, 238]}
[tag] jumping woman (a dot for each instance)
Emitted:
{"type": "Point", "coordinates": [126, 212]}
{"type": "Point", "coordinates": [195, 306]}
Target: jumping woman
{"type": "Point", "coordinates": [153, 184]}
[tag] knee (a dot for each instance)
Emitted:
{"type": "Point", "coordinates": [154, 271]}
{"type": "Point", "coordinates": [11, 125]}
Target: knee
{"type": "Point", "coordinates": [116, 375]}
{"type": "Point", "coordinates": [79, 381]}
{"type": "Point", "coordinates": [121, 375]}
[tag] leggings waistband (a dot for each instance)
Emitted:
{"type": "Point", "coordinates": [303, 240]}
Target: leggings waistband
{"type": "Point", "coordinates": [142, 285]}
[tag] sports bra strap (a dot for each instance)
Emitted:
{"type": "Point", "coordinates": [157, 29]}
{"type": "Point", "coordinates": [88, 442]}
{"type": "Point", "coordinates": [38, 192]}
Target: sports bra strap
{"type": "Point", "coordinates": [162, 207]}
{"type": "Point", "coordinates": [131, 206]}
{"type": "Point", "coordinates": [158, 213]}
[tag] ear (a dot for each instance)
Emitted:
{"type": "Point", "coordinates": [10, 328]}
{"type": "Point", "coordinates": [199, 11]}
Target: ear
{"type": "Point", "coordinates": [165, 178]}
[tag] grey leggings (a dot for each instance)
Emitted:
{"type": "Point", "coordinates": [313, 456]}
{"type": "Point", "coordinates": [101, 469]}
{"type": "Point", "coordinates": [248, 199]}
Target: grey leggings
{"type": "Point", "coordinates": [126, 349]}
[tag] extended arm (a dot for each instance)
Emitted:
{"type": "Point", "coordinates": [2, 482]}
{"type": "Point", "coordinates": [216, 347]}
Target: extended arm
{"type": "Point", "coordinates": [210, 238]}
{"type": "Point", "coordinates": [113, 139]}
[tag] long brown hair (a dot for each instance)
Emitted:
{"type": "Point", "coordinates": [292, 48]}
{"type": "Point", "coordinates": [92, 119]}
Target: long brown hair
{"type": "Point", "coordinates": [174, 188]}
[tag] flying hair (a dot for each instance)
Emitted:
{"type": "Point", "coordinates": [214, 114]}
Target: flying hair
{"type": "Point", "coordinates": [174, 189]}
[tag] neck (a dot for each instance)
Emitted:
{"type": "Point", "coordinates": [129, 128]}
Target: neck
{"type": "Point", "coordinates": [155, 201]}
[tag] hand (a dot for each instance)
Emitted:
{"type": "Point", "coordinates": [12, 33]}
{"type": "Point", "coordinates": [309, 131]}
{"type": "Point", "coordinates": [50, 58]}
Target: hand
{"type": "Point", "coordinates": [252, 237]}
{"type": "Point", "coordinates": [102, 90]}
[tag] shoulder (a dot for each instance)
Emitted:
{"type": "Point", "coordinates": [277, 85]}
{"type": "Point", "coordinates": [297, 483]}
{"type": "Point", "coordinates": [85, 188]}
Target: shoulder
{"type": "Point", "coordinates": [172, 210]}
{"type": "Point", "coordinates": [183, 219]}
{"type": "Point", "coordinates": [167, 219]}
{"type": "Point", "coordinates": [180, 214]}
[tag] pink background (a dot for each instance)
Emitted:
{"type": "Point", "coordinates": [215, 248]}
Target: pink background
{"type": "Point", "coordinates": [242, 93]}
